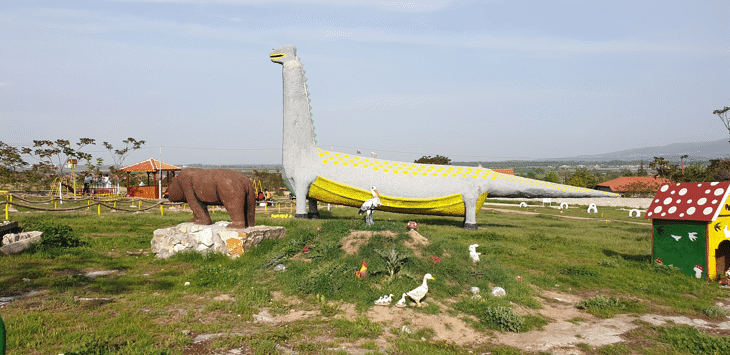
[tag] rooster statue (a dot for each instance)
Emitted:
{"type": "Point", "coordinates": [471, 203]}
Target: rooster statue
{"type": "Point", "coordinates": [363, 272]}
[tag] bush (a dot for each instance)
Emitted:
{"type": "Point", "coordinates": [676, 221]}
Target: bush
{"type": "Point", "coordinates": [55, 235]}
{"type": "Point", "coordinates": [503, 319]}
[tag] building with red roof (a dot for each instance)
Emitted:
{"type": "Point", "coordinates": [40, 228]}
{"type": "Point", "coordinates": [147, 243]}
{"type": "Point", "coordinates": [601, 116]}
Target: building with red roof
{"type": "Point", "coordinates": [149, 166]}
{"type": "Point", "coordinates": [690, 227]}
{"type": "Point", "coordinates": [632, 184]}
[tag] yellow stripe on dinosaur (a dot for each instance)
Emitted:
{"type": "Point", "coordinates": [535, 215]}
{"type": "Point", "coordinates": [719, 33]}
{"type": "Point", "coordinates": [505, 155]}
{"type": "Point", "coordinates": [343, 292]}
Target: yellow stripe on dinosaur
{"type": "Point", "coordinates": [330, 191]}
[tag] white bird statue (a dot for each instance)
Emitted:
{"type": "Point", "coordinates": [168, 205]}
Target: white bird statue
{"type": "Point", "coordinates": [384, 300]}
{"type": "Point", "coordinates": [402, 302]}
{"type": "Point", "coordinates": [369, 206]}
{"type": "Point", "coordinates": [419, 292]}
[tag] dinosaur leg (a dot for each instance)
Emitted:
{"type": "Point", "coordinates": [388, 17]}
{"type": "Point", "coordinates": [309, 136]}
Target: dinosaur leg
{"type": "Point", "coordinates": [301, 191]}
{"type": "Point", "coordinates": [313, 209]}
{"type": "Point", "coordinates": [470, 213]}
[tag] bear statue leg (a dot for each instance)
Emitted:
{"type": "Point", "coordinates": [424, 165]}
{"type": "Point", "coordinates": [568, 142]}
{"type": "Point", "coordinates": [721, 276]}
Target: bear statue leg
{"type": "Point", "coordinates": [200, 212]}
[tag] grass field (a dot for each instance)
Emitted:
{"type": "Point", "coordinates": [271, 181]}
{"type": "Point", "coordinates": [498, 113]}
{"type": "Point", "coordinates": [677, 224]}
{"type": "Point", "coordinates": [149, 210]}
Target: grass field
{"type": "Point", "coordinates": [142, 306]}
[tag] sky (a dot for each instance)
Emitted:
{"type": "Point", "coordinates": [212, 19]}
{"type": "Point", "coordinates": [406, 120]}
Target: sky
{"type": "Point", "coordinates": [470, 80]}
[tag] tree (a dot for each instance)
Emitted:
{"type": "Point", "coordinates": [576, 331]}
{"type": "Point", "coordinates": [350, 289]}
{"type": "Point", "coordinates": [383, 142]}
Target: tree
{"type": "Point", "coordinates": [583, 178]}
{"type": "Point", "coordinates": [662, 167]}
{"type": "Point", "coordinates": [552, 176]}
{"type": "Point", "coordinates": [119, 155]}
{"type": "Point", "coordinates": [642, 170]}
{"type": "Point", "coordinates": [10, 158]}
{"type": "Point", "coordinates": [438, 160]}
{"type": "Point", "coordinates": [723, 116]}
{"type": "Point", "coordinates": [56, 154]}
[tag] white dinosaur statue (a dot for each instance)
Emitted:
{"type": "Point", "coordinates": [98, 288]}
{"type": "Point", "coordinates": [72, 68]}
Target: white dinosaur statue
{"type": "Point", "coordinates": [339, 178]}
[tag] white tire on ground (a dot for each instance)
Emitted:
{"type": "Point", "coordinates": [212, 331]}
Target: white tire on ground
{"type": "Point", "coordinates": [564, 206]}
{"type": "Point", "coordinates": [522, 204]}
{"type": "Point", "coordinates": [631, 213]}
{"type": "Point", "coordinates": [592, 207]}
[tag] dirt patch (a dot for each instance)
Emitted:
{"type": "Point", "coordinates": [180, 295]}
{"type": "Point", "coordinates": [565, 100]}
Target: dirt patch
{"type": "Point", "coordinates": [417, 242]}
{"type": "Point", "coordinates": [356, 239]}
{"type": "Point", "coordinates": [445, 327]}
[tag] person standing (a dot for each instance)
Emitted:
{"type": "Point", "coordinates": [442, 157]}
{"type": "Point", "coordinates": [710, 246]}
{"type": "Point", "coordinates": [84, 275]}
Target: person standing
{"type": "Point", "coordinates": [87, 182]}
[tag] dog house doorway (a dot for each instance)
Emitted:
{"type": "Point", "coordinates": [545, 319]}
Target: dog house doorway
{"type": "Point", "coordinates": [722, 257]}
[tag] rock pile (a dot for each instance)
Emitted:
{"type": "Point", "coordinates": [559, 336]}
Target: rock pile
{"type": "Point", "coordinates": [214, 238]}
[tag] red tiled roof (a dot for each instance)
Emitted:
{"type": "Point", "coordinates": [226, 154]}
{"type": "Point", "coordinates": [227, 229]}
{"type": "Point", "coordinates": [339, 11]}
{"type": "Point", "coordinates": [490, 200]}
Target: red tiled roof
{"type": "Point", "coordinates": [622, 184]}
{"type": "Point", "coordinates": [149, 166]}
{"type": "Point", "coordinates": [692, 201]}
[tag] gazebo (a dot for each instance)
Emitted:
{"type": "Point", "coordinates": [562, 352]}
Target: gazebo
{"type": "Point", "coordinates": [149, 166]}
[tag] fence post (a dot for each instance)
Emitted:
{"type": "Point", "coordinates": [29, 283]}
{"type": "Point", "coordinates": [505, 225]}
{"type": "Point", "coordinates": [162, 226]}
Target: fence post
{"type": "Point", "coordinates": [140, 204]}
{"type": "Point", "coordinates": [162, 211]}
{"type": "Point", "coordinates": [98, 209]}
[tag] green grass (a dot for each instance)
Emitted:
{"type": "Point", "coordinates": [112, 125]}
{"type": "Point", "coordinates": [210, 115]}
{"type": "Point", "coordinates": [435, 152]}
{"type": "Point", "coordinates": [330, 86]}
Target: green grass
{"type": "Point", "coordinates": [144, 307]}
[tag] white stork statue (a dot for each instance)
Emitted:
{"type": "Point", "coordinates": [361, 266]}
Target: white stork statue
{"type": "Point", "coordinates": [369, 206]}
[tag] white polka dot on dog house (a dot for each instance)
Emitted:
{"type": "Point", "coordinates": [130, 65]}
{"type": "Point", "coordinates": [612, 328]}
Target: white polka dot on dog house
{"type": "Point", "coordinates": [664, 188]}
{"type": "Point", "coordinates": [664, 214]}
{"type": "Point", "coordinates": [690, 211]}
{"type": "Point", "coordinates": [702, 201]}
{"type": "Point", "coordinates": [657, 209]}
{"type": "Point", "coordinates": [719, 191]}
{"type": "Point", "coordinates": [667, 200]}
{"type": "Point", "coordinates": [672, 209]}
{"type": "Point", "coordinates": [681, 215]}
{"type": "Point", "coordinates": [682, 191]}
{"type": "Point", "coordinates": [707, 210]}
{"type": "Point", "coordinates": [714, 183]}
{"type": "Point", "coordinates": [707, 191]}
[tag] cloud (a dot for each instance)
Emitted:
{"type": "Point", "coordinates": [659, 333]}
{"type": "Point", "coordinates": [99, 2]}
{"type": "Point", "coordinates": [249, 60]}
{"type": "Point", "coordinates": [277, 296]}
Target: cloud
{"type": "Point", "coordinates": [5, 83]}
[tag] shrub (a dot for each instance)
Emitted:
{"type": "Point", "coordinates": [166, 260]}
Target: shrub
{"type": "Point", "coordinates": [55, 235]}
{"type": "Point", "coordinates": [503, 318]}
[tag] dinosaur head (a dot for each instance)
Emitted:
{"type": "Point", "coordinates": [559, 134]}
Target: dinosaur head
{"type": "Point", "coordinates": [284, 54]}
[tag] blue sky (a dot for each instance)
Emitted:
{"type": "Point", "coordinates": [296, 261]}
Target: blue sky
{"type": "Point", "coordinates": [471, 80]}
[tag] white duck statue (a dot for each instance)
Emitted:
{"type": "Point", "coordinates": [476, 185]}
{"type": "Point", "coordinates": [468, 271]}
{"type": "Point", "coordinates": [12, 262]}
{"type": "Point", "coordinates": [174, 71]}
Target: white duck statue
{"type": "Point", "coordinates": [419, 292]}
{"type": "Point", "coordinates": [402, 302]}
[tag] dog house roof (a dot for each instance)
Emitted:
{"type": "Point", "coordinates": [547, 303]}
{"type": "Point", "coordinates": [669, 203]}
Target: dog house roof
{"type": "Point", "coordinates": [691, 201]}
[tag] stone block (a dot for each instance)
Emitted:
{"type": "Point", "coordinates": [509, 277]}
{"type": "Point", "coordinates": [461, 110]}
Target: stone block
{"type": "Point", "coordinates": [16, 243]}
{"type": "Point", "coordinates": [214, 238]}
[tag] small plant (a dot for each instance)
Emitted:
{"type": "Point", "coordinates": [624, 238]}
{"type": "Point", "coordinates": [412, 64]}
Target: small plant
{"type": "Point", "coordinates": [394, 260]}
{"type": "Point", "coordinates": [325, 308]}
{"type": "Point", "coordinates": [578, 271]}
{"type": "Point", "coordinates": [503, 318]}
{"type": "Point", "coordinates": [693, 341]}
{"type": "Point", "coordinates": [712, 311]}
{"type": "Point", "coordinates": [606, 307]}
{"type": "Point", "coordinates": [608, 263]}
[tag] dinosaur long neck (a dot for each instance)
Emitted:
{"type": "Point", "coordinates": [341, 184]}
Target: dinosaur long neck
{"type": "Point", "coordinates": [299, 134]}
